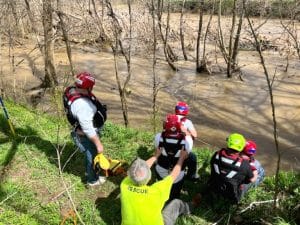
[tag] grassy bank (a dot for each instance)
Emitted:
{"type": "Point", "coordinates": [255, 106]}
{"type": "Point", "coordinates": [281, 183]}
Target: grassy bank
{"type": "Point", "coordinates": [34, 191]}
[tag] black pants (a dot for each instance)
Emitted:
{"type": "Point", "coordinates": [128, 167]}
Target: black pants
{"type": "Point", "coordinates": [191, 163]}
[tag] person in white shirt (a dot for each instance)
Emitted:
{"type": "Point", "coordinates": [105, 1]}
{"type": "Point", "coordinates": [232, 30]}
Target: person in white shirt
{"type": "Point", "coordinates": [87, 116]}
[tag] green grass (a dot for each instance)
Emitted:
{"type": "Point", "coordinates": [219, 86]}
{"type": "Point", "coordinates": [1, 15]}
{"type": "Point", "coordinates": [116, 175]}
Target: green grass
{"type": "Point", "coordinates": [32, 190]}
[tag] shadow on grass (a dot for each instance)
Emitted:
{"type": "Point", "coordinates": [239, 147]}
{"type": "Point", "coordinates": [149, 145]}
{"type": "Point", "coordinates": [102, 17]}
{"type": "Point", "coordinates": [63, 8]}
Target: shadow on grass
{"type": "Point", "coordinates": [28, 136]}
{"type": "Point", "coordinates": [110, 207]}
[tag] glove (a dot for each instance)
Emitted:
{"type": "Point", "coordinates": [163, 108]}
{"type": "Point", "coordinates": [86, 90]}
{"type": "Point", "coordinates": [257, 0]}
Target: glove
{"type": "Point", "coordinates": [100, 161]}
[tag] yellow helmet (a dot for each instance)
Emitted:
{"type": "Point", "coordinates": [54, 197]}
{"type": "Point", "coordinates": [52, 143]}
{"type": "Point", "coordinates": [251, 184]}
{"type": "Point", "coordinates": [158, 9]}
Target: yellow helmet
{"type": "Point", "coordinates": [236, 142]}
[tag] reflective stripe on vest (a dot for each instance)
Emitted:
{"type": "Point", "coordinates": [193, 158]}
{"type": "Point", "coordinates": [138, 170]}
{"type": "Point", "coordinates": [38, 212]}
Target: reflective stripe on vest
{"type": "Point", "coordinates": [230, 174]}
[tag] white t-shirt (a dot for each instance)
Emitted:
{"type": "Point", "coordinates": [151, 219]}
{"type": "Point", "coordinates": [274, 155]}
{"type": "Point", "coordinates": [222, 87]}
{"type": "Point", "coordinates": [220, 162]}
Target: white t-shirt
{"type": "Point", "coordinates": [84, 110]}
{"type": "Point", "coordinates": [188, 124]}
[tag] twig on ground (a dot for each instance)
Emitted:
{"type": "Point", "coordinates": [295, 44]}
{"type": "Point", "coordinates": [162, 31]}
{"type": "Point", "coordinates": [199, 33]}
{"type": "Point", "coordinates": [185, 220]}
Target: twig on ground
{"type": "Point", "coordinates": [252, 204]}
{"type": "Point", "coordinates": [8, 197]}
{"type": "Point", "coordinates": [62, 192]}
{"type": "Point", "coordinates": [219, 220]}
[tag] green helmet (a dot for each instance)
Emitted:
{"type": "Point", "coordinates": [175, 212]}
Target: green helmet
{"type": "Point", "coordinates": [236, 142]}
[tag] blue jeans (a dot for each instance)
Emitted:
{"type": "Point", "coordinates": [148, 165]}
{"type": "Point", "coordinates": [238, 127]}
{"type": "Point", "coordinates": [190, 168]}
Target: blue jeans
{"type": "Point", "coordinates": [261, 175]}
{"type": "Point", "coordinates": [89, 149]}
{"type": "Point", "coordinates": [173, 210]}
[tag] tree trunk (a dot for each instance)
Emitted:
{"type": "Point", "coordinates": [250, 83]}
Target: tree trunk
{"type": "Point", "coordinates": [155, 85]}
{"type": "Point", "coordinates": [181, 31]}
{"type": "Point", "coordinates": [127, 56]}
{"type": "Point", "coordinates": [198, 59]}
{"type": "Point", "coordinates": [50, 74]}
{"type": "Point", "coordinates": [275, 133]}
{"type": "Point", "coordinates": [229, 62]}
{"type": "Point", "coordinates": [168, 52]}
{"type": "Point", "coordinates": [33, 26]}
{"type": "Point", "coordinates": [65, 36]}
{"type": "Point", "coordinates": [237, 37]}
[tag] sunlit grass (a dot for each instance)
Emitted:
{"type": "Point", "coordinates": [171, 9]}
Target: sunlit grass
{"type": "Point", "coordinates": [32, 190]}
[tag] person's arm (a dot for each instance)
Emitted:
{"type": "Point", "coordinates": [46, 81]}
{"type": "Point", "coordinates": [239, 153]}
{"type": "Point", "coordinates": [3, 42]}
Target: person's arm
{"type": "Point", "coordinates": [177, 168]}
{"type": "Point", "coordinates": [84, 111]}
{"type": "Point", "coordinates": [192, 130]}
{"type": "Point", "coordinates": [189, 129]}
{"type": "Point", "coordinates": [255, 176]}
{"type": "Point", "coordinates": [153, 158]}
{"type": "Point", "coordinates": [193, 133]}
{"type": "Point", "coordinates": [96, 140]}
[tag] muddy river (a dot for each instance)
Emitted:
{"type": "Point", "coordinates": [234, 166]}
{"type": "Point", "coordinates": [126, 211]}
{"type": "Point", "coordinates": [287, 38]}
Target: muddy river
{"type": "Point", "coordinates": [218, 106]}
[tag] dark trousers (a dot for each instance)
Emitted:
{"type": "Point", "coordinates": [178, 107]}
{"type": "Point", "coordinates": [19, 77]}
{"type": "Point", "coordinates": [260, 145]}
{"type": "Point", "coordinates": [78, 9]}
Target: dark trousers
{"type": "Point", "coordinates": [191, 163]}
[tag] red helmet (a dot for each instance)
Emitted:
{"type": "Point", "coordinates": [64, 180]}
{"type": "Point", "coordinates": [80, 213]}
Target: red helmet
{"type": "Point", "coordinates": [172, 123]}
{"type": "Point", "coordinates": [250, 148]}
{"type": "Point", "coordinates": [84, 80]}
{"type": "Point", "coordinates": [182, 108]}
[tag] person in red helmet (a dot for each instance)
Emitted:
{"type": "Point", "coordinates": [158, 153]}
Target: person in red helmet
{"type": "Point", "coordinates": [171, 141]}
{"type": "Point", "coordinates": [182, 110]}
{"type": "Point", "coordinates": [187, 127]}
{"type": "Point", "coordinates": [87, 116]}
{"type": "Point", "coordinates": [248, 153]}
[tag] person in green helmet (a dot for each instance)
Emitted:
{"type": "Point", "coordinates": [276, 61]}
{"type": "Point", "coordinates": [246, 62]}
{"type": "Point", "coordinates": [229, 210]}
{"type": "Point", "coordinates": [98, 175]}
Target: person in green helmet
{"type": "Point", "coordinates": [229, 170]}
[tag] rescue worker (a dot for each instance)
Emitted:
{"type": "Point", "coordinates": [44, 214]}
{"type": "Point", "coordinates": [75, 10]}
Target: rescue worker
{"type": "Point", "coordinates": [229, 170]}
{"type": "Point", "coordinates": [248, 154]}
{"type": "Point", "coordinates": [188, 128]}
{"type": "Point", "coordinates": [87, 116]}
{"type": "Point", "coordinates": [143, 204]}
{"type": "Point", "coordinates": [171, 142]}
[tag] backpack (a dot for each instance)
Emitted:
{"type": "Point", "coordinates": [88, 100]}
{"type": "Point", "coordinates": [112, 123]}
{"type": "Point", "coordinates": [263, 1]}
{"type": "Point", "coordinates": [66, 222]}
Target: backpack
{"type": "Point", "coordinates": [169, 161]}
{"type": "Point", "coordinates": [223, 183]}
{"type": "Point", "coordinates": [71, 94]}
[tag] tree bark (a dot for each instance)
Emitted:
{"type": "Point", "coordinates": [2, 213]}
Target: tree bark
{"type": "Point", "coordinates": [199, 66]}
{"type": "Point", "coordinates": [181, 31]}
{"type": "Point", "coordinates": [65, 36]}
{"type": "Point", "coordinates": [50, 79]}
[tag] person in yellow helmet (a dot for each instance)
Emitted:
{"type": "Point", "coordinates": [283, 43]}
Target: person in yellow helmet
{"type": "Point", "coordinates": [143, 204]}
{"type": "Point", "coordinates": [229, 170]}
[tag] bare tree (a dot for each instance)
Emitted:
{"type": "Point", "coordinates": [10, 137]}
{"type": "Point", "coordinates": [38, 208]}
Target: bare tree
{"type": "Point", "coordinates": [65, 35]}
{"type": "Point", "coordinates": [230, 51]}
{"type": "Point", "coordinates": [204, 63]}
{"type": "Point", "coordinates": [33, 26]}
{"type": "Point", "coordinates": [237, 37]}
{"type": "Point", "coordinates": [292, 26]}
{"type": "Point", "coordinates": [168, 52]}
{"type": "Point", "coordinates": [155, 78]}
{"type": "Point", "coordinates": [181, 31]}
{"type": "Point", "coordinates": [50, 73]}
{"type": "Point", "coordinates": [117, 45]}
{"type": "Point", "coordinates": [269, 82]}
{"type": "Point", "coordinates": [199, 65]}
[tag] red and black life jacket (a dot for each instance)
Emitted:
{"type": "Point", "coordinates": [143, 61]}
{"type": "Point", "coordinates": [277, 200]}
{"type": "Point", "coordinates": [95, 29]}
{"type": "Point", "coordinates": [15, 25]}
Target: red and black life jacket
{"type": "Point", "coordinates": [71, 94]}
{"type": "Point", "coordinates": [226, 178]}
{"type": "Point", "coordinates": [172, 143]}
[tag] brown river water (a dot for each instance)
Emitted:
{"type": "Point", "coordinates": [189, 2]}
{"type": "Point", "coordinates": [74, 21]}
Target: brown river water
{"type": "Point", "coordinates": [218, 106]}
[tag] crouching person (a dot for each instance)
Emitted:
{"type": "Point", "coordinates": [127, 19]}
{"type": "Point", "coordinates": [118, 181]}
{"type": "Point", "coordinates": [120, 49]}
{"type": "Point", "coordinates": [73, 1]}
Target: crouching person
{"type": "Point", "coordinates": [230, 170]}
{"type": "Point", "coordinates": [143, 204]}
